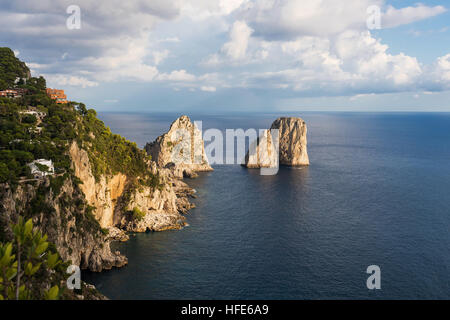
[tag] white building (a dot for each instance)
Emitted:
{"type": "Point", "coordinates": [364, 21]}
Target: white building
{"type": "Point", "coordinates": [41, 168]}
{"type": "Point", "coordinates": [37, 114]}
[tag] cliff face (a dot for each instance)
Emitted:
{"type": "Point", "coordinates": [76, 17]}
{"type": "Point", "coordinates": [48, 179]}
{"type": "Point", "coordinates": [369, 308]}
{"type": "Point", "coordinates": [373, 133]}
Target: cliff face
{"type": "Point", "coordinates": [101, 181]}
{"type": "Point", "coordinates": [102, 195]}
{"type": "Point", "coordinates": [77, 217]}
{"type": "Point", "coordinates": [293, 142]}
{"type": "Point", "coordinates": [115, 197]}
{"type": "Point", "coordinates": [181, 149]}
{"type": "Point", "coordinates": [292, 145]}
{"type": "Point", "coordinates": [59, 210]}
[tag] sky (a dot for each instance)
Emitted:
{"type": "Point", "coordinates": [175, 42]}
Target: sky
{"type": "Point", "coordinates": [220, 56]}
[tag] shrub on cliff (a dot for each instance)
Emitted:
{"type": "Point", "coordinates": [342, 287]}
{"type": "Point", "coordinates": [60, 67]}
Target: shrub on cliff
{"type": "Point", "coordinates": [138, 214]}
{"type": "Point", "coordinates": [29, 269]}
{"type": "Point", "coordinates": [11, 68]}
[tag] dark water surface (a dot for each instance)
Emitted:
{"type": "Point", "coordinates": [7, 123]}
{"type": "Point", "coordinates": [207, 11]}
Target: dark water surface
{"type": "Point", "coordinates": [377, 192]}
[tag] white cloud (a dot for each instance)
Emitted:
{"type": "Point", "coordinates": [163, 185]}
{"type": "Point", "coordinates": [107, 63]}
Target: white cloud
{"type": "Point", "coordinates": [208, 88]}
{"type": "Point", "coordinates": [159, 56]}
{"type": "Point", "coordinates": [236, 48]}
{"type": "Point", "coordinates": [360, 96]}
{"type": "Point", "coordinates": [123, 63]}
{"type": "Point", "coordinates": [112, 45]}
{"type": "Point", "coordinates": [199, 10]}
{"type": "Point", "coordinates": [228, 6]}
{"type": "Point", "coordinates": [443, 64]}
{"type": "Point", "coordinates": [440, 73]}
{"type": "Point", "coordinates": [353, 61]}
{"type": "Point", "coordinates": [170, 39]}
{"type": "Point", "coordinates": [287, 19]}
{"type": "Point", "coordinates": [367, 57]}
{"type": "Point", "coordinates": [177, 75]}
{"type": "Point", "coordinates": [212, 60]}
{"type": "Point", "coordinates": [58, 80]}
{"type": "Point", "coordinates": [394, 17]}
{"type": "Point", "coordinates": [316, 47]}
{"type": "Point", "coordinates": [33, 66]}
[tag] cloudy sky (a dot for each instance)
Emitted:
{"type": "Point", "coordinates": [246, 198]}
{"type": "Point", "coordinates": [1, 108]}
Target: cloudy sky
{"type": "Point", "coordinates": [219, 56]}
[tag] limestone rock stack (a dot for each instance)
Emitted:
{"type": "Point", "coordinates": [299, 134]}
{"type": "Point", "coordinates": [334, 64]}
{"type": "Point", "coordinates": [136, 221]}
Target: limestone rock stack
{"type": "Point", "coordinates": [181, 149]}
{"type": "Point", "coordinates": [292, 145]}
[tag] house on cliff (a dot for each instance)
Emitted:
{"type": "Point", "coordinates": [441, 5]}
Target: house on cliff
{"type": "Point", "coordinates": [41, 168]}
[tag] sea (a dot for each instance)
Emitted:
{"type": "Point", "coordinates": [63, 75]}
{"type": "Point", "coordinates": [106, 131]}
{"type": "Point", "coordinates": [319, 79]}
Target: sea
{"type": "Point", "coordinates": [377, 193]}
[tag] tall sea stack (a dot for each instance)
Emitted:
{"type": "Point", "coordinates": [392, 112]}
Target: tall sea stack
{"type": "Point", "coordinates": [181, 149]}
{"type": "Point", "coordinates": [292, 145]}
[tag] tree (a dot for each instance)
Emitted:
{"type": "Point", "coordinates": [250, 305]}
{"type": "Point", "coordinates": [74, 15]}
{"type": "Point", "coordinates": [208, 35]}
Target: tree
{"type": "Point", "coordinates": [3, 85]}
{"type": "Point", "coordinates": [27, 265]}
{"type": "Point", "coordinates": [11, 68]}
{"type": "Point", "coordinates": [81, 107]}
{"type": "Point", "coordinates": [5, 175]}
{"type": "Point", "coordinates": [29, 119]}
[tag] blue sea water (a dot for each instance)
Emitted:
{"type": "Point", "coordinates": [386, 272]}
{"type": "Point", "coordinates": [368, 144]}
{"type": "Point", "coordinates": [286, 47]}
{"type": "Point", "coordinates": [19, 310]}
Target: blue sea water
{"type": "Point", "coordinates": [376, 193]}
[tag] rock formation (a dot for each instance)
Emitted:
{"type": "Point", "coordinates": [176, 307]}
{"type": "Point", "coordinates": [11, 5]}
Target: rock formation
{"type": "Point", "coordinates": [64, 218]}
{"type": "Point", "coordinates": [115, 197]}
{"type": "Point", "coordinates": [181, 149]}
{"type": "Point", "coordinates": [102, 185]}
{"type": "Point", "coordinates": [292, 145]}
{"type": "Point", "coordinates": [70, 212]}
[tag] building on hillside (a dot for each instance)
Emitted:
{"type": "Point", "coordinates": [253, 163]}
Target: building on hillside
{"type": "Point", "coordinates": [37, 114]}
{"type": "Point", "coordinates": [19, 79]}
{"type": "Point", "coordinates": [13, 93]}
{"type": "Point", "coordinates": [41, 168]}
{"type": "Point", "coordinates": [9, 93]}
{"type": "Point", "coordinates": [58, 95]}
{"type": "Point", "coordinates": [37, 130]}
{"type": "Point", "coordinates": [21, 92]}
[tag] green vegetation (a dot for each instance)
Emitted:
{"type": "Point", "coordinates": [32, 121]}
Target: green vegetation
{"type": "Point", "coordinates": [29, 119]}
{"type": "Point", "coordinates": [25, 269]}
{"type": "Point", "coordinates": [138, 214]}
{"type": "Point", "coordinates": [19, 142]}
{"type": "Point", "coordinates": [30, 268]}
{"type": "Point", "coordinates": [42, 167]}
{"type": "Point", "coordinates": [110, 153]}
{"type": "Point", "coordinates": [11, 68]}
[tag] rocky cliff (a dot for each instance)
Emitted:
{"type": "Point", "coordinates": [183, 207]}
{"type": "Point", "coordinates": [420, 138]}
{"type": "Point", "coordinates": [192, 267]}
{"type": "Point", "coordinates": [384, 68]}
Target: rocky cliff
{"type": "Point", "coordinates": [58, 209]}
{"type": "Point", "coordinates": [292, 145]}
{"type": "Point", "coordinates": [103, 194]}
{"type": "Point", "coordinates": [101, 181]}
{"type": "Point", "coordinates": [117, 197]}
{"type": "Point", "coordinates": [77, 216]}
{"type": "Point", "coordinates": [181, 149]}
